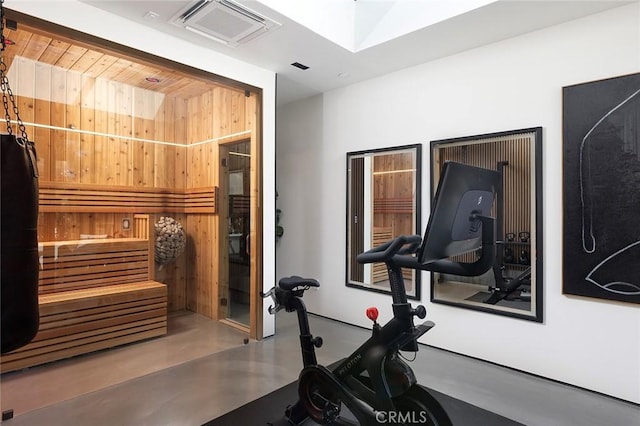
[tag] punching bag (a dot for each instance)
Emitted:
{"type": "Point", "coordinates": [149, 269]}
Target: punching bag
{"type": "Point", "coordinates": [19, 265]}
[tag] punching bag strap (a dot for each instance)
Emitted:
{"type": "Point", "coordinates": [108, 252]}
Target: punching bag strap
{"type": "Point", "coordinates": [4, 43]}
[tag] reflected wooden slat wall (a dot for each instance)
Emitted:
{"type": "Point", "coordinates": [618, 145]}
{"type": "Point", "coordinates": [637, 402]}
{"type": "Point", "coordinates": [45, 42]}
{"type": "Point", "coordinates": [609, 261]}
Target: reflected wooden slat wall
{"type": "Point", "coordinates": [517, 185]}
{"type": "Point", "coordinates": [393, 192]}
{"type": "Point", "coordinates": [356, 203]}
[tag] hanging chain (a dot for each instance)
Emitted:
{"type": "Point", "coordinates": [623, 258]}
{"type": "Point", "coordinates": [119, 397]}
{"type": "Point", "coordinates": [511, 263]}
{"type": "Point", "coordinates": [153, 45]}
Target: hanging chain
{"type": "Point", "coordinates": [4, 43]}
{"type": "Point", "coordinates": [6, 90]}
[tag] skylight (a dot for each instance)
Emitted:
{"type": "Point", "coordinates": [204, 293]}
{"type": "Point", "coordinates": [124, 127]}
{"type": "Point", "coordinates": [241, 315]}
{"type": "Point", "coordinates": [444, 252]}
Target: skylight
{"type": "Point", "coordinates": [359, 24]}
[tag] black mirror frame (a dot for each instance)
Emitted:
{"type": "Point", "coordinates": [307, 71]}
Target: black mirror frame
{"type": "Point", "coordinates": [417, 213]}
{"type": "Point", "coordinates": [536, 312]}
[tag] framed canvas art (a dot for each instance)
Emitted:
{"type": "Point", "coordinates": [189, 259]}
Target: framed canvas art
{"type": "Point", "coordinates": [601, 178]}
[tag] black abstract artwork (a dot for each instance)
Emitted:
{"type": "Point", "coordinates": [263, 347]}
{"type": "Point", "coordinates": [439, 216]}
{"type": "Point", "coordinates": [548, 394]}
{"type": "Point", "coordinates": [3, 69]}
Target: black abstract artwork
{"type": "Point", "coordinates": [601, 131]}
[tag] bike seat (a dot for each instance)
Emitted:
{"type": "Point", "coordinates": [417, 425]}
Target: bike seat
{"type": "Point", "coordinates": [290, 283]}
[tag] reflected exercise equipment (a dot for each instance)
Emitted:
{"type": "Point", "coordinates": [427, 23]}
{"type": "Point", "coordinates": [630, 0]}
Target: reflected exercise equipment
{"type": "Point", "coordinates": [506, 287]}
{"type": "Point", "coordinates": [513, 287]}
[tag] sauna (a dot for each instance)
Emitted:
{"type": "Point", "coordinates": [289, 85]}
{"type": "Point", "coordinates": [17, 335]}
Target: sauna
{"type": "Point", "coordinates": [125, 139]}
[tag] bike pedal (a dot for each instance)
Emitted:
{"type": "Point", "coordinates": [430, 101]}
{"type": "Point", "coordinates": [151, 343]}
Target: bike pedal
{"type": "Point", "coordinates": [331, 412]}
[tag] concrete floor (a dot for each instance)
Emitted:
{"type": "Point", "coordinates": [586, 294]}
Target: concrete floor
{"type": "Point", "coordinates": [202, 370]}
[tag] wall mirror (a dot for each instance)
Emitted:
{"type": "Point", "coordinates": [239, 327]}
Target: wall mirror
{"type": "Point", "coordinates": [513, 287]}
{"type": "Point", "coordinates": [383, 201]}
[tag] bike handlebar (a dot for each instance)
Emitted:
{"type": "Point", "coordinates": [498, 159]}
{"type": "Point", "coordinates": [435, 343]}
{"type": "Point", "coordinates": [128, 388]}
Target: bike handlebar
{"type": "Point", "coordinates": [395, 250]}
{"type": "Point", "coordinates": [386, 251]}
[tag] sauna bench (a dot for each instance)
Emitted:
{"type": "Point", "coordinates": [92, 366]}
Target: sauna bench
{"type": "Point", "coordinates": [93, 294]}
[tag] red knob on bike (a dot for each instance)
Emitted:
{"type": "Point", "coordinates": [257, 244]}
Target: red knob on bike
{"type": "Point", "coordinates": [372, 313]}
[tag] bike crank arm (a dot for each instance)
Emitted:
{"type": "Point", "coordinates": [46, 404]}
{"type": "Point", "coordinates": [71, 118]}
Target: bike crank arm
{"type": "Point", "coordinates": [321, 393]}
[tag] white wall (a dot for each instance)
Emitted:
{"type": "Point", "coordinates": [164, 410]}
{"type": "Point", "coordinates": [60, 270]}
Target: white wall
{"type": "Point", "coordinates": [509, 85]}
{"type": "Point", "coordinates": [85, 18]}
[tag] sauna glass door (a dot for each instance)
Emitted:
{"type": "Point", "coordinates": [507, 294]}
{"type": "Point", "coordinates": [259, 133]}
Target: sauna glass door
{"type": "Point", "coordinates": [237, 176]}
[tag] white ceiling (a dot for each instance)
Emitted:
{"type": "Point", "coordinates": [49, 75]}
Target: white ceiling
{"type": "Point", "coordinates": [336, 63]}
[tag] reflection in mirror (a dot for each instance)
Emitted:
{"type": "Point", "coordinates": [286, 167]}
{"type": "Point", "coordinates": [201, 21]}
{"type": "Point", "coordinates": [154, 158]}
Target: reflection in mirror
{"type": "Point", "coordinates": [383, 202]}
{"type": "Point", "coordinates": [513, 287]}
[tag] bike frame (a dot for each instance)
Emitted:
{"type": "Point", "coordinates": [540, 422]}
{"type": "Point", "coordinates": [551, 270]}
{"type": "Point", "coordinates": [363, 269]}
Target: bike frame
{"type": "Point", "coordinates": [398, 334]}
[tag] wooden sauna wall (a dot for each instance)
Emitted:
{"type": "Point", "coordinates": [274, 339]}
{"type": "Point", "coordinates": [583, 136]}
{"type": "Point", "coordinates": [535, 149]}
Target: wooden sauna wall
{"type": "Point", "coordinates": [214, 114]}
{"type": "Point", "coordinates": [66, 86]}
{"type": "Point", "coordinates": [393, 193]}
{"type": "Point", "coordinates": [67, 99]}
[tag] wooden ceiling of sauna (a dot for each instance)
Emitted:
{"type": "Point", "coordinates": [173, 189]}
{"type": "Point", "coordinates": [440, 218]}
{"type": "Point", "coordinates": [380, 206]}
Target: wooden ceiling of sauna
{"type": "Point", "coordinates": [95, 63]}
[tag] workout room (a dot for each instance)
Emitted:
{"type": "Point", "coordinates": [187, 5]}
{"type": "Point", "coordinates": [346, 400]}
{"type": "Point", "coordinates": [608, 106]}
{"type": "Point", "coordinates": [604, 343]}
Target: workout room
{"type": "Point", "coordinates": [181, 176]}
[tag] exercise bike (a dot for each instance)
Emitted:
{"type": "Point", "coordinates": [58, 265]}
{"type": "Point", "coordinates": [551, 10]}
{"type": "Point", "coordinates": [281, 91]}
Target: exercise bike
{"type": "Point", "coordinates": [374, 383]}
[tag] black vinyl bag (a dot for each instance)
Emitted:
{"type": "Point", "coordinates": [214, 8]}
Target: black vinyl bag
{"type": "Point", "coordinates": [19, 266]}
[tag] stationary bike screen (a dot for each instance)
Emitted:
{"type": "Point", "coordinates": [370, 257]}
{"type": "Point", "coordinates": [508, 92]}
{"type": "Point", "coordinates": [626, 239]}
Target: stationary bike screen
{"type": "Point", "coordinates": [464, 193]}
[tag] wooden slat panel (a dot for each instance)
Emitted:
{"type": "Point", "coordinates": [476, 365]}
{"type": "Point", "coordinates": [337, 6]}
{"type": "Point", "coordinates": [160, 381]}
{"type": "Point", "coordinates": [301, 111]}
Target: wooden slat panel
{"type": "Point", "coordinates": [141, 226]}
{"type": "Point", "coordinates": [60, 197]}
{"type": "Point", "coordinates": [200, 269]}
{"type": "Point", "coordinates": [100, 172]}
{"type": "Point", "coordinates": [70, 56]}
{"type": "Point", "coordinates": [82, 321]}
{"type": "Point", "coordinates": [393, 205]}
{"type": "Point", "coordinates": [66, 55]}
{"type": "Point", "coordinates": [82, 264]}
{"type": "Point", "coordinates": [131, 291]}
{"type": "Point", "coordinates": [393, 192]}
{"type": "Point", "coordinates": [73, 153]}
{"type": "Point", "coordinates": [42, 136]}
{"type": "Point", "coordinates": [48, 338]}
{"type": "Point", "coordinates": [239, 204]}
{"type": "Point", "coordinates": [355, 223]}
{"type": "Point", "coordinates": [98, 67]}
{"type": "Point", "coordinates": [176, 130]}
{"type": "Point", "coordinates": [87, 283]}
{"type": "Point", "coordinates": [60, 172]}
{"type": "Point", "coordinates": [86, 61]}
{"type": "Point", "coordinates": [91, 245]}
{"type": "Point", "coordinates": [54, 51]}
{"type": "Point", "coordinates": [67, 316]}
{"type": "Point", "coordinates": [201, 200]}
{"type": "Point", "coordinates": [380, 236]}
{"type": "Point", "coordinates": [88, 345]}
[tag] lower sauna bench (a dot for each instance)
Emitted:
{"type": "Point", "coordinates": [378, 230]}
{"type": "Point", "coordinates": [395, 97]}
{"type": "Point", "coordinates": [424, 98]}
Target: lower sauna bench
{"type": "Point", "coordinates": [81, 321]}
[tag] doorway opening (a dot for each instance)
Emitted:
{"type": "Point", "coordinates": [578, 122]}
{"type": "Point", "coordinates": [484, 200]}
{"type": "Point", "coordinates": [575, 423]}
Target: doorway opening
{"type": "Point", "coordinates": [236, 250]}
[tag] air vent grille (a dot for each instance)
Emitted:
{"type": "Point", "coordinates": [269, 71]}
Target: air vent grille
{"type": "Point", "coordinates": [241, 10]}
{"type": "Point", "coordinates": [194, 9]}
{"type": "Point", "coordinates": [223, 20]}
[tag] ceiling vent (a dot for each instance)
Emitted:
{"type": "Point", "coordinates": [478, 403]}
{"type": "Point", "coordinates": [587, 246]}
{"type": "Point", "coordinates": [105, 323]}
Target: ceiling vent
{"type": "Point", "coordinates": [224, 21]}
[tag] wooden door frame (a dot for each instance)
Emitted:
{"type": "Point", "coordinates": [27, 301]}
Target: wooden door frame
{"type": "Point", "coordinates": [255, 235]}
